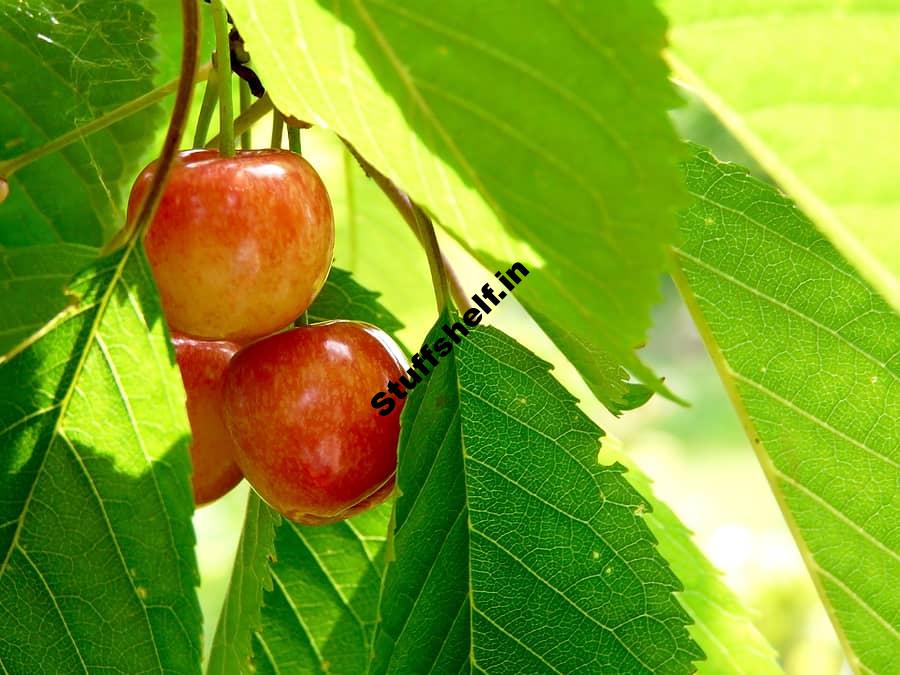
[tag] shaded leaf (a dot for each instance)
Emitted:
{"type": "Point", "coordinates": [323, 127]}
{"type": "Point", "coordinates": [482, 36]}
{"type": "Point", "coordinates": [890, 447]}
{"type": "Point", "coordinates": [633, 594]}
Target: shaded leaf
{"type": "Point", "coordinates": [554, 151]}
{"type": "Point", "coordinates": [97, 569]}
{"type": "Point", "coordinates": [811, 357]}
{"type": "Point", "coordinates": [88, 56]}
{"type": "Point", "coordinates": [343, 298]}
{"type": "Point", "coordinates": [321, 611]}
{"type": "Point", "coordinates": [818, 108]}
{"type": "Point", "coordinates": [513, 550]}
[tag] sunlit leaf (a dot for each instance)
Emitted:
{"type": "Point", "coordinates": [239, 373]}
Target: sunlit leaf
{"type": "Point", "coordinates": [97, 569]}
{"type": "Point", "coordinates": [553, 150]}
{"type": "Point", "coordinates": [243, 600]}
{"type": "Point", "coordinates": [811, 356]}
{"type": "Point", "coordinates": [811, 89]}
{"type": "Point", "coordinates": [32, 280]}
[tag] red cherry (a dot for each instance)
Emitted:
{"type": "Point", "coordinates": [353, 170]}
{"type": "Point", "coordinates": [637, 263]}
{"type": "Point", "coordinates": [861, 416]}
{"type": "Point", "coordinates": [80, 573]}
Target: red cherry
{"type": "Point", "coordinates": [239, 246]}
{"type": "Point", "coordinates": [298, 405]}
{"type": "Point", "coordinates": [202, 366]}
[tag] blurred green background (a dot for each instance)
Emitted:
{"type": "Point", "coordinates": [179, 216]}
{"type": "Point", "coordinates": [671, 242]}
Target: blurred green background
{"type": "Point", "coordinates": [698, 456]}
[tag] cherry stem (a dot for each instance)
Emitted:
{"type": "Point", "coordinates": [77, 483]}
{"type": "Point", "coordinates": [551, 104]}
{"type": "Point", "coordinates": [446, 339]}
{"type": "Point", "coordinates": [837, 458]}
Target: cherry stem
{"type": "Point", "coordinates": [294, 140]}
{"type": "Point", "coordinates": [420, 224]}
{"type": "Point", "coordinates": [207, 107]}
{"type": "Point", "coordinates": [244, 92]}
{"type": "Point", "coordinates": [10, 166]}
{"type": "Point", "coordinates": [277, 129]}
{"type": "Point", "coordinates": [251, 116]}
{"type": "Point", "coordinates": [128, 235]}
{"type": "Point", "coordinates": [223, 70]}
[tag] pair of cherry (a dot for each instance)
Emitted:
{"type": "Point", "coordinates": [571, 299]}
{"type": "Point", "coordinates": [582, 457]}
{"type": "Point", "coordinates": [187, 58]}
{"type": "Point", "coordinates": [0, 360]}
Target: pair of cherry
{"type": "Point", "coordinates": [240, 246]}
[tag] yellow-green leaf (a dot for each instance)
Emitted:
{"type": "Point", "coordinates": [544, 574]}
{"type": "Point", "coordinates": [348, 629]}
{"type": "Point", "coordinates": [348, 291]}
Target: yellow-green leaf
{"type": "Point", "coordinates": [812, 90]}
{"type": "Point", "coordinates": [810, 354]}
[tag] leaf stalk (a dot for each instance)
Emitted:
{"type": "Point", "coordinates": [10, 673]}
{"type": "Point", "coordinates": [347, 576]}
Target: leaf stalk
{"type": "Point", "coordinates": [294, 140]}
{"type": "Point", "coordinates": [419, 222]}
{"type": "Point", "coordinates": [244, 91]}
{"type": "Point", "coordinates": [277, 129]}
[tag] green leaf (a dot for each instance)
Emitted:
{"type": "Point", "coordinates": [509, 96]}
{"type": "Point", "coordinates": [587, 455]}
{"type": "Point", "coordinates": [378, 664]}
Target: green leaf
{"type": "Point", "coordinates": [553, 150]}
{"type": "Point", "coordinates": [818, 107]}
{"type": "Point", "coordinates": [722, 625]}
{"type": "Point", "coordinates": [809, 353]}
{"type": "Point", "coordinates": [64, 63]}
{"type": "Point", "coordinates": [513, 549]}
{"type": "Point", "coordinates": [342, 297]}
{"type": "Point", "coordinates": [321, 594]}
{"type": "Point", "coordinates": [321, 611]}
{"type": "Point", "coordinates": [251, 576]}
{"type": "Point", "coordinates": [97, 570]}
{"type": "Point", "coordinates": [321, 583]}
{"type": "Point", "coordinates": [32, 281]}
{"type": "Point", "coordinates": [602, 374]}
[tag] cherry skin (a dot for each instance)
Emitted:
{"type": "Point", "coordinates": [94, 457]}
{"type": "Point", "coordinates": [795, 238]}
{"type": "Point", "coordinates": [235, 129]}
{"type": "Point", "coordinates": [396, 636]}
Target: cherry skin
{"type": "Point", "coordinates": [202, 364]}
{"type": "Point", "coordinates": [298, 405]}
{"type": "Point", "coordinates": [239, 246]}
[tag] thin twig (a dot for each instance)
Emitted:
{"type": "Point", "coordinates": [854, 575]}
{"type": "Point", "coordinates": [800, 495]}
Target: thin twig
{"type": "Point", "coordinates": [177, 122]}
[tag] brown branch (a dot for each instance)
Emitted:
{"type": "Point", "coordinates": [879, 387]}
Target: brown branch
{"type": "Point", "coordinates": [180, 109]}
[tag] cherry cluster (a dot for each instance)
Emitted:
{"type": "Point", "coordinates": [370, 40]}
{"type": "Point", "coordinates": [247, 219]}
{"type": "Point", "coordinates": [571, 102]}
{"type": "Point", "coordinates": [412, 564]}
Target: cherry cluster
{"type": "Point", "coordinates": [240, 246]}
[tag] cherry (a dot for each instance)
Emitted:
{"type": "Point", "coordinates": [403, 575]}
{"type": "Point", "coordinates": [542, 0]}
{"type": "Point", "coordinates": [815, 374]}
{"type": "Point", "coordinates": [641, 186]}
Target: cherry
{"type": "Point", "coordinates": [202, 366]}
{"type": "Point", "coordinates": [239, 246]}
{"type": "Point", "coordinates": [298, 405]}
